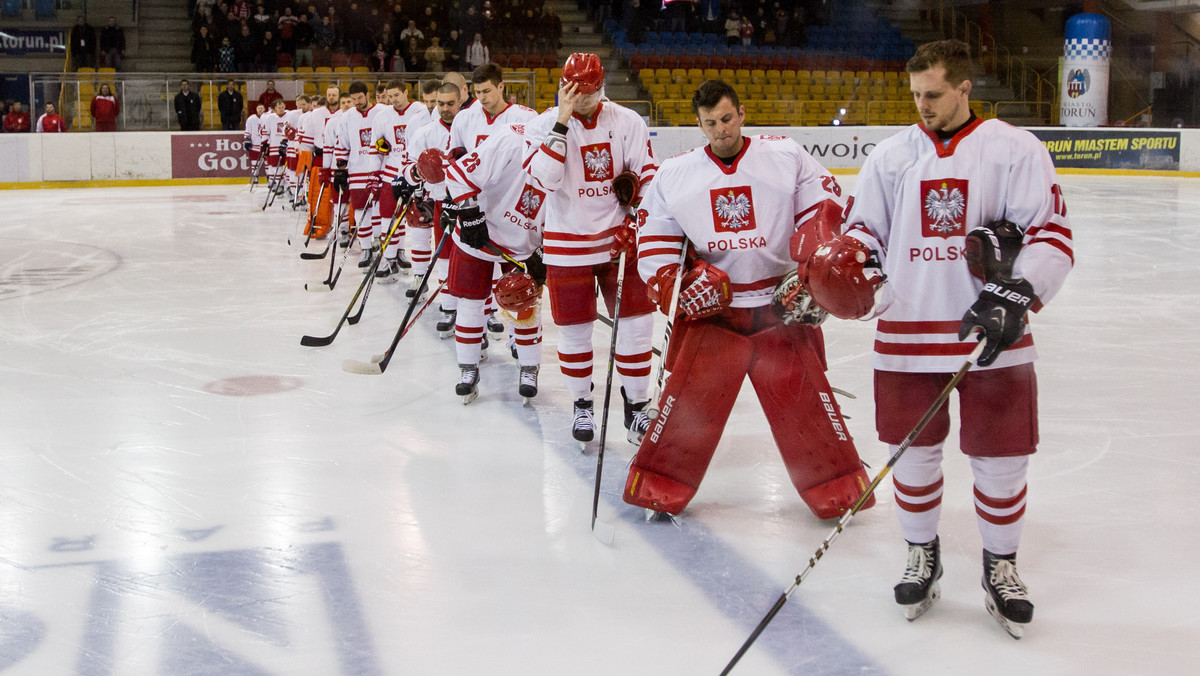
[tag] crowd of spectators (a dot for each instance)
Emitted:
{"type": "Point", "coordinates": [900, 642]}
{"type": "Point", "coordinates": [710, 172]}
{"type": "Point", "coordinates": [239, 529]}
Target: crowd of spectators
{"type": "Point", "coordinates": [744, 22]}
{"type": "Point", "coordinates": [88, 52]}
{"type": "Point", "coordinates": [385, 35]}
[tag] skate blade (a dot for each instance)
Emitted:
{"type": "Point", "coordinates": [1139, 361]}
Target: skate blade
{"type": "Point", "coordinates": [634, 438]}
{"type": "Point", "coordinates": [468, 398]}
{"type": "Point", "coordinates": [1014, 629]}
{"type": "Point", "coordinates": [653, 515]}
{"type": "Point", "coordinates": [526, 401]}
{"type": "Point", "coordinates": [915, 610]}
{"type": "Point", "coordinates": [445, 334]}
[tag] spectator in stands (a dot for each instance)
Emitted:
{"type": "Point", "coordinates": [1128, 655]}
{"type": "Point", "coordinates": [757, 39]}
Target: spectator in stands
{"type": "Point", "coordinates": [83, 44]}
{"type": "Point", "coordinates": [17, 120]}
{"type": "Point", "coordinates": [323, 35]}
{"type": "Point", "coordinates": [204, 52]}
{"type": "Point", "coordinates": [477, 53]}
{"type": "Point", "coordinates": [378, 59]}
{"type": "Point", "coordinates": [415, 57]}
{"type": "Point", "coordinates": [302, 33]}
{"type": "Point", "coordinates": [286, 27]}
{"type": "Point", "coordinates": [268, 97]}
{"type": "Point", "coordinates": [733, 28]}
{"type": "Point", "coordinates": [710, 16]}
{"type": "Point", "coordinates": [456, 49]}
{"type": "Point", "coordinates": [267, 54]}
{"type": "Point", "coordinates": [187, 108]}
{"type": "Point", "coordinates": [387, 37]}
{"type": "Point", "coordinates": [335, 23]}
{"type": "Point", "coordinates": [244, 50]}
{"type": "Point", "coordinates": [261, 21]}
{"type": "Point", "coordinates": [746, 31]}
{"type": "Point", "coordinates": [411, 31]}
{"type": "Point", "coordinates": [472, 23]}
{"type": "Point", "coordinates": [112, 44]}
{"type": "Point", "coordinates": [204, 19]}
{"type": "Point", "coordinates": [396, 64]}
{"type": "Point", "coordinates": [226, 57]}
{"type": "Point", "coordinates": [105, 109]}
{"type": "Point", "coordinates": [357, 31]}
{"type": "Point", "coordinates": [50, 121]}
{"type": "Point", "coordinates": [230, 105]}
{"type": "Point", "coordinates": [554, 29]}
{"type": "Point", "coordinates": [435, 56]}
{"type": "Point", "coordinates": [240, 9]}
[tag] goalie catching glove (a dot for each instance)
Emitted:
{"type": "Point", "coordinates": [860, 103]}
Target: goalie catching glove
{"type": "Point", "coordinates": [472, 228]}
{"type": "Point", "coordinates": [793, 304]}
{"type": "Point", "coordinates": [704, 291]}
{"type": "Point", "coordinates": [843, 275]}
{"type": "Point", "coordinates": [999, 314]}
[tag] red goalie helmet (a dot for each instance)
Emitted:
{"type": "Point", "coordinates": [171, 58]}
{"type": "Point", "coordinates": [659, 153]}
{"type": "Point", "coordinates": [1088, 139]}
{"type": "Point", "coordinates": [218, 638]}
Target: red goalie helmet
{"type": "Point", "coordinates": [517, 291]}
{"type": "Point", "coordinates": [585, 70]}
{"type": "Point", "coordinates": [838, 280]}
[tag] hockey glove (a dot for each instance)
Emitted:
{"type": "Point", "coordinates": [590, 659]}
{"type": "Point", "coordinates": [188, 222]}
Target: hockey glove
{"type": "Point", "coordinates": [373, 184]}
{"type": "Point", "coordinates": [341, 177]}
{"type": "Point", "coordinates": [449, 215]}
{"type": "Point", "coordinates": [266, 146]}
{"type": "Point", "coordinates": [382, 146]}
{"type": "Point", "coordinates": [992, 249]}
{"type": "Point", "coordinates": [472, 228]}
{"type": "Point", "coordinates": [1000, 314]}
{"type": "Point", "coordinates": [624, 239]}
{"type": "Point", "coordinates": [536, 267]}
{"type": "Point", "coordinates": [317, 153]}
{"type": "Point", "coordinates": [402, 190]}
{"type": "Point", "coordinates": [282, 147]}
{"type": "Point", "coordinates": [793, 304]}
{"type": "Point", "coordinates": [246, 146]}
{"type": "Point", "coordinates": [705, 290]}
{"type": "Point", "coordinates": [625, 186]}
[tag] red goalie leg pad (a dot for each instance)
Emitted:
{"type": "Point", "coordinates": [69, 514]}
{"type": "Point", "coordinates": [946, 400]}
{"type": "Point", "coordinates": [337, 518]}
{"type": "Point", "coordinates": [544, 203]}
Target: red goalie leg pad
{"type": "Point", "coordinates": [655, 491]}
{"type": "Point", "coordinates": [789, 377]}
{"type": "Point", "coordinates": [831, 499]}
{"type": "Point", "coordinates": [676, 451]}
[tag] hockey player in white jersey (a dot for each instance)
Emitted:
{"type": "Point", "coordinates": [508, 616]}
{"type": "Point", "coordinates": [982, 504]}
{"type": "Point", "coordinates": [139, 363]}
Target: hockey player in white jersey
{"type": "Point", "coordinates": [357, 164]}
{"type": "Point", "coordinates": [291, 121]}
{"type": "Point", "coordinates": [739, 202]}
{"type": "Point", "coordinates": [253, 139]}
{"type": "Point", "coordinates": [392, 128]}
{"type": "Point", "coordinates": [510, 224]}
{"type": "Point", "coordinates": [424, 223]}
{"type": "Point", "coordinates": [576, 150]}
{"type": "Point", "coordinates": [965, 216]}
{"type": "Point", "coordinates": [275, 129]}
{"type": "Point", "coordinates": [328, 142]}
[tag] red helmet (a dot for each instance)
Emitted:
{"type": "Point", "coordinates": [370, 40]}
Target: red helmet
{"type": "Point", "coordinates": [585, 70]}
{"type": "Point", "coordinates": [420, 214]}
{"type": "Point", "coordinates": [517, 291]}
{"type": "Point", "coordinates": [837, 280]}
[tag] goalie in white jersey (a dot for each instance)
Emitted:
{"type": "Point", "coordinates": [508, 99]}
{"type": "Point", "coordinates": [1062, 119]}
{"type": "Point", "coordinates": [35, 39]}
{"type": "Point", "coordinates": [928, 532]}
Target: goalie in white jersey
{"type": "Point", "coordinates": [965, 216]}
{"type": "Point", "coordinates": [577, 149]}
{"type": "Point", "coordinates": [739, 202]}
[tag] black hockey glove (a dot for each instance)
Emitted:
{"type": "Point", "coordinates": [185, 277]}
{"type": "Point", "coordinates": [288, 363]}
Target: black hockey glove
{"type": "Point", "coordinates": [472, 229]}
{"type": "Point", "coordinates": [341, 177]}
{"type": "Point", "coordinates": [402, 190]}
{"type": "Point", "coordinates": [1000, 314]}
{"type": "Point", "coordinates": [449, 215]}
{"type": "Point", "coordinates": [536, 268]}
{"type": "Point", "coordinates": [282, 147]}
{"type": "Point", "coordinates": [317, 152]}
{"type": "Point", "coordinates": [246, 146]}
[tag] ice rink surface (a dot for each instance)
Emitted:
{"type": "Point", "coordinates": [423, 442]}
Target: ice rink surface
{"type": "Point", "coordinates": [185, 489]}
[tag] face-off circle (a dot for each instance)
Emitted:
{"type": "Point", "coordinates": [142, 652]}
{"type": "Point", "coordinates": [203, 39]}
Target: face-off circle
{"type": "Point", "coordinates": [29, 266]}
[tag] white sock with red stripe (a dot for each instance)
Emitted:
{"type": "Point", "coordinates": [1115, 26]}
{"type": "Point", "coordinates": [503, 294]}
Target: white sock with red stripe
{"type": "Point", "coordinates": [396, 243]}
{"type": "Point", "coordinates": [1000, 489]}
{"type": "Point", "coordinates": [917, 482]}
{"type": "Point", "coordinates": [363, 223]}
{"type": "Point", "coordinates": [529, 344]}
{"type": "Point", "coordinates": [575, 359]}
{"type": "Point", "coordinates": [634, 339]}
{"type": "Point", "coordinates": [376, 220]}
{"type": "Point", "coordinates": [468, 331]}
{"type": "Point", "coordinates": [421, 251]}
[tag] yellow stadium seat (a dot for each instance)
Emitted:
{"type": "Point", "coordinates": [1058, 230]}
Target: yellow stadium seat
{"type": "Point", "coordinates": [774, 77]}
{"type": "Point", "coordinates": [322, 69]}
{"type": "Point", "coordinates": [662, 75]}
{"type": "Point", "coordinates": [728, 74]}
{"type": "Point", "coordinates": [342, 69]}
{"type": "Point", "coordinates": [678, 75]}
{"type": "Point", "coordinates": [695, 75]}
{"type": "Point", "coordinates": [646, 75]}
{"type": "Point", "coordinates": [304, 69]}
{"type": "Point", "coordinates": [286, 69]}
{"type": "Point", "coordinates": [754, 91]}
{"type": "Point", "coordinates": [360, 69]}
{"type": "Point", "coordinates": [758, 76]}
{"type": "Point", "coordinates": [85, 69]}
{"type": "Point", "coordinates": [742, 76]}
{"type": "Point", "coordinates": [712, 74]}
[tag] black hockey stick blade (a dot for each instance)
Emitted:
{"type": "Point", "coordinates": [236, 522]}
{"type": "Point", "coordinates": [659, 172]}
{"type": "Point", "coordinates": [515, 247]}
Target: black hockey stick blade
{"type": "Point", "coordinates": [320, 341]}
{"type": "Point", "coordinates": [310, 256]}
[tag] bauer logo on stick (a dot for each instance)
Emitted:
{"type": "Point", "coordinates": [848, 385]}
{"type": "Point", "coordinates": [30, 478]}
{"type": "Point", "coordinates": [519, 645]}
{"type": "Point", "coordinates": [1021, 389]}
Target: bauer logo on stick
{"type": "Point", "coordinates": [733, 209]}
{"type": "Point", "coordinates": [943, 207]}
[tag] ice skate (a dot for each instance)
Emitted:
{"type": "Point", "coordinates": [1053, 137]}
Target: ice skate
{"type": "Point", "coordinates": [365, 261]}
{"type": "Point", "coordinates": [494, 325]}
{"type": "Point", "coordinates": [919, 587]}
{"type": "Point", "coordinates": [583, 427]}
{"type": "Point", "coordinates": [388, 272]}
{"type": "Point", "coordinates": [413, 287]}
{"type": "Point", "coordinates": [483, 346]}
{"type": "Point", "coordinates": [636, 421]}
{"type": "Point", "coordinates": [528, 384]}
{"type": "Point", "coordinates": [445, 328]}
{"type": "Point", "coordinates": [344, 240]}
{"type": "Point", "coordinates": [403, 260]}
{"type": "Point", "coordinates": [1007, 599]}
{"type": "Point", "coordinates": [468, 383]}
{"type": "Point", "coordinates": [512, 346]}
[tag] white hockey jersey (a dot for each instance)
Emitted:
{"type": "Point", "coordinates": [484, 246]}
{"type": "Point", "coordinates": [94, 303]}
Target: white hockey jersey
{"type": "Point", "coordinates": [273, 127]}
{"type": "Point", "coordinates": [329, 137]}
{"type": "Point", "coordinates": [738, 217]}
{"type": "Point", "coordinates": [291, 120]}
{"type": "Point", "coordinates": [581, 210]}
{"type": "Point", "coordinates": [916, 199]}
{"type": "Point", "coordinates": [253, 132]}
{"type": "Point", "coordinates": [396, 127]}
{"type": "Point", "coordinates": [473, 125]}
{"type": "Point", "coordinates": [354, 143]}
{"type": "Point", "coordinates": [312, 125]}
{"type": "Point", "coordinates": [514, 215]}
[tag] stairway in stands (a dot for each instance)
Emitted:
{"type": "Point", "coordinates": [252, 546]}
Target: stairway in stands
{"type": "Point", "coordinates": [581, 35]}
{"type": "Point", "coordinates": [164, 38]}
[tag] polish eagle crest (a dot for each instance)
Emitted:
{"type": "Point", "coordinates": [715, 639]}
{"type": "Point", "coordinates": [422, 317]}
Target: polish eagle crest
{"type": "Point", "coordinates": [945, 207]}
{"type": "Point", "coordinates": [733, 208]}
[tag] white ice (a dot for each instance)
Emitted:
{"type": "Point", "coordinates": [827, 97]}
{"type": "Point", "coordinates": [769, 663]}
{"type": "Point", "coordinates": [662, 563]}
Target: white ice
{"type": "Point", "coordinates": [184, 489]}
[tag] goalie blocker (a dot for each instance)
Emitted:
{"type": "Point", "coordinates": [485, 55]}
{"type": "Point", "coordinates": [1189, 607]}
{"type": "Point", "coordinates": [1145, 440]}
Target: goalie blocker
{"type": "Point", "coordinates": [718, 346]}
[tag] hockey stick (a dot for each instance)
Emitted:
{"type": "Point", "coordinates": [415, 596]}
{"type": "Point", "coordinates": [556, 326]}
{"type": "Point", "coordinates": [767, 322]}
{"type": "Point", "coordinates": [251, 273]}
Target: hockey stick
{"type": "Point", "coordinates": [262, 158]}
{"type": "Point", "coordinates": [396, 220]}
{"type": "Point", "coordinates": [858, 504]}
{"type": "Point", "coordinates": [273, 185]}
{"type": "Point", "coordinates": [374, 368]}
{"type": "Point", "coordinates": [333, 243]}
{"type": "Point", "coordinates": [331, 281]}
{"type": "Point", "coordinates": [365, 285]}
{"type": "Point", "coordinates": [606, 534]}
{"type": "Point", "coordinates": [312, 220]}
{"type": "Point", "coordinates": [657, 388]}
{"type": "Point", "coordinates": [299, 216]}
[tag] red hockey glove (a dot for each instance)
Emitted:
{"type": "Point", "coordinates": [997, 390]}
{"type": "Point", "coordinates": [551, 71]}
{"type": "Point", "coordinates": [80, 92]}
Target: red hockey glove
{"type": "Point", "coordinates": [814, 231]}
{"type": "Point", "coordinates": [625, 186]}
{"type": "Point", "coordinates": [289, 133]}
{"type": "Point", "coordinates": [624, 239]}
{"type": "Point", "coordinates": [430, 165]}
{"type": "Point", "coordinates": [705, 290]}
{"type": "Point", "coordinates": [373, 184]}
